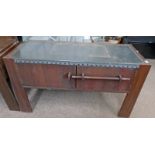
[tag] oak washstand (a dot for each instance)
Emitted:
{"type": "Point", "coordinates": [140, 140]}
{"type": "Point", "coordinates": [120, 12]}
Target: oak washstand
{"type": "Point", "coordinates": [77, 66]}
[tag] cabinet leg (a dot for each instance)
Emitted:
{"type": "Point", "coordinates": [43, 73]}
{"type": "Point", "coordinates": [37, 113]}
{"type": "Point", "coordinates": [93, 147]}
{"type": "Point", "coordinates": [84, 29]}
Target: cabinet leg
{"type": "Point", "coordinates": [136, 87]}
{"type": "Point", "coordinates": [7, 93]}
{"type": "Point", "coordinates": [19, 90]}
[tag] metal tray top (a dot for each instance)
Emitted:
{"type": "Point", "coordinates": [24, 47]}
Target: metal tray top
{"type": "Point", "coordinates": [83, 54]}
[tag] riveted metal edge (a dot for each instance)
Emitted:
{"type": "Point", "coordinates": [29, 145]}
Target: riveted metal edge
{"type": "Point", "coordinates": [20, 61]}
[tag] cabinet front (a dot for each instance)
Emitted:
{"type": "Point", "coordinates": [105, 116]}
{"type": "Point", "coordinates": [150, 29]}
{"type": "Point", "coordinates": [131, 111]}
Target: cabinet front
{"type": "Point", "coordinates": [79, 78]}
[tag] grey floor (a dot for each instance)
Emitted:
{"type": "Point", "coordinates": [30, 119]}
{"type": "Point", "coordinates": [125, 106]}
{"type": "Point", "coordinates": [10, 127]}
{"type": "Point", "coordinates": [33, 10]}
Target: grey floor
{"type": "Point", "coordinates": [70, 104]}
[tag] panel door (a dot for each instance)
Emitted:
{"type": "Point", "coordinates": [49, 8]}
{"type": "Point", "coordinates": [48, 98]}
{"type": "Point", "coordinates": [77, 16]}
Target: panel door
{"type": "Point", "coordinates": [104, 79]}
{"type": "Point", "coordinates": [46, 76]}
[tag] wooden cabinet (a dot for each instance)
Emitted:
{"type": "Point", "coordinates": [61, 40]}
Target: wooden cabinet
{"type": "Point", "coordinates": [77, 66]}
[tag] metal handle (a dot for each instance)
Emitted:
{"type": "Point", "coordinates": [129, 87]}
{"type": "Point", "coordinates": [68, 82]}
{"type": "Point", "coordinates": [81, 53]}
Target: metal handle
{"type": "Point", "coordinates": [83, 77]}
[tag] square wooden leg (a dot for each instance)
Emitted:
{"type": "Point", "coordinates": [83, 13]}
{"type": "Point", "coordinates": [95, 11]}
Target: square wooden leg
{"type": "Point", "coordinates": [19, 90]}
{"type": "Point", "coordinates": [7, 93]}
{"type": "Point", "coordinates": [136, 87]}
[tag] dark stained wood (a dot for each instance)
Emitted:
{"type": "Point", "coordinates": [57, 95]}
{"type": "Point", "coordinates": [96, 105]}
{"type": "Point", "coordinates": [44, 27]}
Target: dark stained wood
{"type": "Point", "coordinates": [76, 78]}
{"type": "Point", "coordinates": [7, 93]}
{"type": "Point", "coordinates": [132, 96]}
{"type": "Point", "coordinates": [50, 76]}
{"type": "Point", "coordinates": [8, 37]}
{"type": "Point", "coordinates": [7, 43]}
{"type": "Point", "coordinates": [104, 85]}
{"type": "Point", "coordinates": [19, 91]}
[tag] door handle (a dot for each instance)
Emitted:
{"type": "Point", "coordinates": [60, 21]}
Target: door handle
{"type": "Point", "coordinates": [83, 77]}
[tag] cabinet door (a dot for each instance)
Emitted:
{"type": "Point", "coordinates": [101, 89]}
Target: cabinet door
{"type": "Point", "coordinates": [46, 76]}
{"type": "Point", "coordinates": [104, 79]}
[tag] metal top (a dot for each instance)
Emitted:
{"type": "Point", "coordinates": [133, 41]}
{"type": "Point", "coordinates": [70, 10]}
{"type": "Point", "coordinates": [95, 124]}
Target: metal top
{"type": "Point", "coordinates": [83, 54]}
